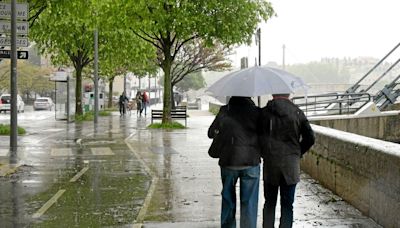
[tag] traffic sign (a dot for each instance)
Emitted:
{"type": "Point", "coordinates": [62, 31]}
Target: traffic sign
{"type": "Point", "coordinates": [22, 10]}
{"type": "Point", "coordinates": [6, 41]}
{"type": "Point", "coordinates": [6, 54]}
{"type": "Point", "coordinates": [22, 27]}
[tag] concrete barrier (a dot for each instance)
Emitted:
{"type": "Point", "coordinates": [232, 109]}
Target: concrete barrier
{"type": "Point", "coordinates": [385, 126]}
{"type": "Point", "coordinates": [362, 170]}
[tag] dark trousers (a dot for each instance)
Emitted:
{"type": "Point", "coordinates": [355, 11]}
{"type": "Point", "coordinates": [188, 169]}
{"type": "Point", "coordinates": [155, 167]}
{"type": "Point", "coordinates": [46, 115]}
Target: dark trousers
{"type": "Point", "coordinates": [287, 198]}
{"type": "Point", "coordinates": [122, 109]}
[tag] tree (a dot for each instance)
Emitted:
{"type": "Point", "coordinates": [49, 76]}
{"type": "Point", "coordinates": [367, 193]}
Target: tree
{"type": "Point", "coordinates": [137, 57]}
{"type": "Point", "coordinates": [171, 24]}
{"type": "Point", "coordinates": [195, 57]}
{"type": "Point", "coordinates": [64, 30]}
{"type": "Point", "coordinates": [31, 78]}
{"type": "Point", "coordinates": [193, 81]}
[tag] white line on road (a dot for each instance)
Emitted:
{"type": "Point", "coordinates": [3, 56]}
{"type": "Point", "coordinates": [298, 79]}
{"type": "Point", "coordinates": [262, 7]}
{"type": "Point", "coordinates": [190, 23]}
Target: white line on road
{"type": "Point", "coordinates": [154, 181]}
{"type": "Point", "coordinates": [48, 204]}
{"type": "Point", "coordinates": [76, 177]}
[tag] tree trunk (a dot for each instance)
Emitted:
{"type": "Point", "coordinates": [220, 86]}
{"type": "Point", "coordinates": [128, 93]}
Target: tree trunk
{"type": "Point", "coordinates": [166, 66]}
{"type": "Point", "coordinates": [172, 97]}
{"type": "Point", "coordinates": [78, 91]}
{"type": "Point", "coordinates": [110, 90]}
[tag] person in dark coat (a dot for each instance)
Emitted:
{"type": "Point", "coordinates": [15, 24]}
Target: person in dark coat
{"type": "Point", "coordinates": [286, 136]}
{"type": "Point", "coordinates": [122, 103]}
{"type": "Point", "coordinates": [236, 126]}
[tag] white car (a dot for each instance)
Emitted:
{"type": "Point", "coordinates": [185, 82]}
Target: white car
{"type": "Point", "coordinates": [5, 103]}
{"type": "Point", "coordinates": [45, 103]}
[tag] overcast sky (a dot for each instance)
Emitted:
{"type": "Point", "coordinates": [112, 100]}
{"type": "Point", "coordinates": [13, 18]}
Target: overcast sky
{"type": "Point", "coordinates": [313, 29]}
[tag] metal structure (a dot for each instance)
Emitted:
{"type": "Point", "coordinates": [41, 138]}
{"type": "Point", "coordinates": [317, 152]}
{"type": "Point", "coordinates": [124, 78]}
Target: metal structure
{"type": "Point", "coordinates": [333, 103]}
{"type": "Point", "coordinates": [354, 98]}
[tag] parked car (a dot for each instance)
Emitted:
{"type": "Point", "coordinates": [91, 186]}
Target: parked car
{"type": "Point", "coordinates": [5, 103]}
{"type": "Point", "coordinates": [43, 103]}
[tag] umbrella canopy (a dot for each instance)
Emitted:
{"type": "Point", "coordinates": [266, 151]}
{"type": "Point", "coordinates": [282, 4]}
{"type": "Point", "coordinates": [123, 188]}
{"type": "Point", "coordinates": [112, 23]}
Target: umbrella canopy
{"type": "Point", "coordinates": [256, 81]}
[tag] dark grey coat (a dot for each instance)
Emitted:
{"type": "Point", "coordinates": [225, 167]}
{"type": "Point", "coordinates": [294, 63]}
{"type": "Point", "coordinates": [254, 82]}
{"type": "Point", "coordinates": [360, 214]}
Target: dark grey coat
{"type": "Point", "coordinates": [237, 123]}
{"type": "Point", "coordinates": [286, 136]}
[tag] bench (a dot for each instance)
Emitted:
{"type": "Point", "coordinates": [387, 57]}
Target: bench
{"type": "Point", "coordinates": [178, 113]}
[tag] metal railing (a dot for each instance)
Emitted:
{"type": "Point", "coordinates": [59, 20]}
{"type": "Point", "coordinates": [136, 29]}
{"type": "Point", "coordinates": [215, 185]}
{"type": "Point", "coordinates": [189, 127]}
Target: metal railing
{"type": "Point", "coordinates": [332, 104]}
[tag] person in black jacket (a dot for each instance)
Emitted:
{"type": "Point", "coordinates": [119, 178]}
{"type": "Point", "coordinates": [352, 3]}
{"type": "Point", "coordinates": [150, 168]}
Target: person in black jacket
{"type": "Point", "coordinates": [239, 158]}
{"type": "Point", "coordinates": [286, 136]}
{"type": "Point", "coordinates": [122, 102]}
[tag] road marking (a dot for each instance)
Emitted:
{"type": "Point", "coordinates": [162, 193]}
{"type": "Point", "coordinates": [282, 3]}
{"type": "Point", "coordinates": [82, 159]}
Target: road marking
{"type": "Point", "coordinates": [102, 151]}
{"type": "Point", "coordinates": [76, 177]}
{"type": "Point", "coordinates": [48, 204]}
{"type": "Point", "coordinates": [154, 181]}
{"type": "Point", "coordinates": [61, 152]}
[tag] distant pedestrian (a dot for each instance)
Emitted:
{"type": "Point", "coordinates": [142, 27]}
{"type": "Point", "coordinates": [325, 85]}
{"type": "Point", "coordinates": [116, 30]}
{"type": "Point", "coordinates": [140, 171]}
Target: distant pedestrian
{"type": "Point", "coordinates": [235, 128]}
{"type": "Point", "coordinates": [146, 102]}
{"type": "Point", "coordinates": [286, 136]}
{"type": "Point", "coordinates": [122, 102]}
{"type": "Point", "coordinates": [139, 103]}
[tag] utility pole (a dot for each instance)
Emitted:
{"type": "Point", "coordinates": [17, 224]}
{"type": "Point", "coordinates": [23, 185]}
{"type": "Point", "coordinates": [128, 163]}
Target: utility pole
{"type": "Point", "coordinates": [259, 46]}
{"type": "Point", "coordinates": [258, 41]}
{"type": "Point", "coordinates": [13, 81]}
{"type": "Point", "coordinates": [96, 75]}
{"type": "Point", "coordinates": [283, 56]}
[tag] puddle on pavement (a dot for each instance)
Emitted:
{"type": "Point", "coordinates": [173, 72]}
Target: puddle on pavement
{"type": "Point", "coordinates": [100, 198]}
{"type": "Point", "coordinates": [108, 194]}
{"type": "Point", "coordinates": [163, 150]}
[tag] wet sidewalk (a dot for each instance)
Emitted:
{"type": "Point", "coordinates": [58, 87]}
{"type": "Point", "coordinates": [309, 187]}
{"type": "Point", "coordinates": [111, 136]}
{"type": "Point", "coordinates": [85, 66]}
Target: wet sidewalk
{"type": "Point", "coordinates": [121, 174]}
{"type": "Point", "coordinates": [187, 193]}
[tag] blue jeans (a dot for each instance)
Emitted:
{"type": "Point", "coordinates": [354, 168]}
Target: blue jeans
{"type": "Point", "coordinates": [287, 199]}
{"type": "Point", "coordinates": [249, 185]}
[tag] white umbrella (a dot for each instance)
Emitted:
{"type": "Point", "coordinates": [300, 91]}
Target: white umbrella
{"type": "Point", "coordinates": [256, 81]}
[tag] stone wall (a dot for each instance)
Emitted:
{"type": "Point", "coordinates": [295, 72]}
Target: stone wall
{"type": "Point", "coordinates": [385, 126]}
{"type": "Point", "coordinates": [363, 171]}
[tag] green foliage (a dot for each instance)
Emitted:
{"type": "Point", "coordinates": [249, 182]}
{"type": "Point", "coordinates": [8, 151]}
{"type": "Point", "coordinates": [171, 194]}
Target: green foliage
{"type": "Point", "coordinates": [214, 110]}
{"type": "Point", "coordinates": [169, 25]}
{"type": "Point", "coordinates": [170, 125]}
{"type": "Point", "coordinates": [65, 31]}
{"type": "Point", "coordinates": [193, 81]}
{"type": "Point", "coordinates": [196, 56]}
{"type": "Point", "coordinates": [104, 113]}
{"type": "Point", "coordinates": [31, 78]}
{"type": "Point", "coordinates": [5, 130]}
{"type": "Point", "coordinates": [87, 116]}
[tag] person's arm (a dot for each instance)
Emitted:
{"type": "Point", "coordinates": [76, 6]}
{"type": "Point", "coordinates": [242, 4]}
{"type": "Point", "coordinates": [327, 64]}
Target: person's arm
{"type": "Point", "coordinates": [213, 130]}
{"type": "Point", "coordinates": [307, 135]}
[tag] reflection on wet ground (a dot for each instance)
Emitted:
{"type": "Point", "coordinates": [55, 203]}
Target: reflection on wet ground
{"type": "Point", "coordinates": [96, 176]}
{"type": "Point", "coordinates": [97, 181]}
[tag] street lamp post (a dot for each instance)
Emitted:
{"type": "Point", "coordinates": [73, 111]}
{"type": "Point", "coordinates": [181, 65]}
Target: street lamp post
{"type": "Point", "coordinates": [96, 75]}
{"type": "Point", "coordinates": [258, 42]}
{"type": "Point", "coordinates": [13, 81]}
{"type": "Point", "coordinates": [283, 56]}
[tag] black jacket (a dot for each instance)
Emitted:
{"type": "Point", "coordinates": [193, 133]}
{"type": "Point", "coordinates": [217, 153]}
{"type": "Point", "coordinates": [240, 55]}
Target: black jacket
{"type": "Point", "coordinates": [286, 136]}
{"type": "Point", "coordinates": [237, 124]}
